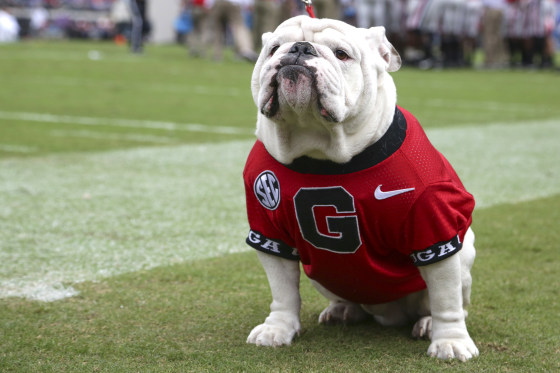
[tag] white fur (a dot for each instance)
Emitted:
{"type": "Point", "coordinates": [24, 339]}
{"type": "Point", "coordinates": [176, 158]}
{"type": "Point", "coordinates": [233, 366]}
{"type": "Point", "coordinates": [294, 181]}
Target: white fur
{"type": "Point", "coordinates": [360, 94]}
{"type": "Point", "coordinates": [283, 322]}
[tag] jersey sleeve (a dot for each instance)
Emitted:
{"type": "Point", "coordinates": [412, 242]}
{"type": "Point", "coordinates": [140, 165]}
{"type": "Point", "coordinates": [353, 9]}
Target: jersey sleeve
{"type": "Point", "coordinates": [264, 234]}
{"type": "Point", "coordinates": [437, 222]}
{"type": "Point", "coordinates": [260, 242]}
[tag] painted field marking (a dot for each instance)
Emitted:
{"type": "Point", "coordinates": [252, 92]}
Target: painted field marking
{"type": "Point", "coordinates": [18, 148]}
{"type": "Point", "coordinates": [489, 105]}
{"type": "Point", "coordinates": [119, 122]}
{"type": "Point", "coordinates": [518, 107]}
{"type": "Point", "coordinates": [133, 137]}
{"type": "Point", "coordinates": [84, 217]}
{"type": "Point", "coordinates": [214, 91]}
{"type": "Point", "coordinates": [504, 163]}
{"type": "Point", "coordinates": [49, 55]}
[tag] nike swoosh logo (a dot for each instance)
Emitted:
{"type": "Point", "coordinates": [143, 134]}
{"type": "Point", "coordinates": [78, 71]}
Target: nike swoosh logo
{"type": "Point", "coordinates": [379, 194]}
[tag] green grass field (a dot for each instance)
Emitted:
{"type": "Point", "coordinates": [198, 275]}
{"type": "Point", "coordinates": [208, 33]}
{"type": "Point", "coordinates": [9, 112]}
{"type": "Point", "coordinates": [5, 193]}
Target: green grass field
{"type": "Point", "coordinates": [123, 223]}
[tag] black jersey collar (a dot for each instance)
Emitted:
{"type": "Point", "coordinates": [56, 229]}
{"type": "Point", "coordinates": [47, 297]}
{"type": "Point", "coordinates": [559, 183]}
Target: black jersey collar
{"type": "Point", "coordinates": [389, 143]}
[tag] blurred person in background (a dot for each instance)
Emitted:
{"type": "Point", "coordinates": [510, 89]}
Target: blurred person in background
{"type": "Point", "coordinates": [291, 8]}
{"type": "Point", "coordinates": [199, 35]}
{"type": "Point", "coordinates": [543, 21]}
{"type": "Point", "coordinates": [183, 23]}
{"type": "Point", "coordinates": [516, 34]}
{"type": "Point", "coordinates": [387, 13]}
{"type": "Point", "coordinates": [121, 16]}
{"type": "Point", "coordinates": [349, 14]}
{"type": "Point", "coordinates": [9, 27]}
{"type": "Point", "coordinates": [417, 46]}
{"type": "Point", "coordinates": [228, 15]}
{"type": "Point", "coordinates": [472, 26]}
{"type": "Point", "coordinates": [140, 25]}
{"type": "Point", "coordinates": [424, 20]}
{"type": "Point", "coordinates": [38, 19]}
{"type": "Point", "coordinates": [371, 13]}
{"type": "Point", "coordinates": [327, 9]}
{"type": "Point", "coordinates": [449, 23]}
{"type": "Point", "coordinates": [530, 25]}
{"type": "Point", "coordinates": [266, 17]}
{"type": "Point", "coordinates": [493, 34]}
{"type": "Point", "coordinates": [555, 42]}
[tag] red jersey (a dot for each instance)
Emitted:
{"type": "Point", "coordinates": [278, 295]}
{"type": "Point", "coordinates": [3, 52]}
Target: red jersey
{"type": "Point", "coordinates": [361, 228]}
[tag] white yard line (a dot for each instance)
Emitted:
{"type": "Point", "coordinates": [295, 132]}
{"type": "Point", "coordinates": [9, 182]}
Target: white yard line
{"type": "Point", "coordinates": [489, 105]}
{"type": "Point", "coordinates": [504, 162]}
{"type": "Point", "coordinates": [214, 91]}
{"type": "Point", "coordinates": [119, 122]}
{"type": "Point", "coordinates": [84, 217]}
{"type": "Point", "coordinates": [133, 137]}
{"type": "Point", "coordinates": [18, 148]}
{"type": "Point", "coordinates": [484, 105]}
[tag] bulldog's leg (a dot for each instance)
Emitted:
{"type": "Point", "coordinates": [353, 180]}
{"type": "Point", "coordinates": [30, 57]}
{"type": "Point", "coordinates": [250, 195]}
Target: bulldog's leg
{"type": "Point", "coordinates": [449, 284]}
{"type": "Point", "coordinates": [282, 323]}
{"type": "Point", "coordinates": [339, 311]}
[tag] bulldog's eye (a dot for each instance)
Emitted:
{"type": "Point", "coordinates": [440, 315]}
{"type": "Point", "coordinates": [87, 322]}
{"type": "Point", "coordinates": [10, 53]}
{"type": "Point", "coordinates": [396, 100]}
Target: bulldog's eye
{"type": "Point", "coordinates": [341, 55]}
{"type": "Point", "coordinates": [274, 49]}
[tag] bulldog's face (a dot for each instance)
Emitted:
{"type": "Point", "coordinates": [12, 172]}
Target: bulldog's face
{"type": "Point", "coordinates": [322, 89]}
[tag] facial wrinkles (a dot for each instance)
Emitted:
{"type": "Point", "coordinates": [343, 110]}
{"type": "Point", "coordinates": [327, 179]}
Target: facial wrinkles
{"type": "Point", "coordinates": [352, 88]}
{"type": "Point", "coordinates": [292, 33]}
{"type": "Point", "coordinates": [349, 90]}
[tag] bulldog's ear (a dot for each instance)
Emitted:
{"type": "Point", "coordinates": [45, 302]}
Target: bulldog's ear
{"type": "Point", "coordinates": [265, 37]}
{"type": "Point", "coordinates": [378, 40]}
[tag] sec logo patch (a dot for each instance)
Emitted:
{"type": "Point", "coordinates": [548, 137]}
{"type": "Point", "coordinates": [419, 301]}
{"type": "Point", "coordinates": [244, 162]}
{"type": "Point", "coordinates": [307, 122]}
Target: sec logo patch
{"type": "Point", "coordinates": [267, 190]}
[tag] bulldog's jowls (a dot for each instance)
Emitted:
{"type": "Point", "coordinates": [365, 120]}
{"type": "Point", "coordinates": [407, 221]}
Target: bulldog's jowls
{"type": "Point", "coordinates": [345, 182]}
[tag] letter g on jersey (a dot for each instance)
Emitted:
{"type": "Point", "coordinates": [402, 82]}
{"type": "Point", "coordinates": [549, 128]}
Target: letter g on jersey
{"type": "Point", "coordinates": [267, 190]}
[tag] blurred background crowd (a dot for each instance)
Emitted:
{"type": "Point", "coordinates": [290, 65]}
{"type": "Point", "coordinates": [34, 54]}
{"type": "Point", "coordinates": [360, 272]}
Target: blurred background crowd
{"type": "Point", "coordinates": [427, 33]}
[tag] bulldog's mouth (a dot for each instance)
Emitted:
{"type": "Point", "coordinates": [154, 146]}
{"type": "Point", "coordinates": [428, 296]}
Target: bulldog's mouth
{"type": "Point", "coordinates": [289, 80]}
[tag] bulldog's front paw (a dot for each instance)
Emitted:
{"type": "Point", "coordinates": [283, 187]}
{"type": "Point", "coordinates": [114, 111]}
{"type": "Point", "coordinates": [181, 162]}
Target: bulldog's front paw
{"type": "Point", "coordinates": [278, 329]}
{"type": "Point", "coordinates": [460, 348]}
{"type": "Point", "coordinates": [342, 313]}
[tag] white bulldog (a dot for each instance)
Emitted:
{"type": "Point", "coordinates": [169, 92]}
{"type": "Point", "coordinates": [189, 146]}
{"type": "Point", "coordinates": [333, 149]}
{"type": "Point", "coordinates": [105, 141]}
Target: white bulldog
{"type": "Point", "coordinates": [346, 182]}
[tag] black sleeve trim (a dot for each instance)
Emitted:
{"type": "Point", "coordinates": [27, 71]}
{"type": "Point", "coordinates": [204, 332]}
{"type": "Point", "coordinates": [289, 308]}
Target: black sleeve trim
{"type": "Point", "coordinates": [437, 252]}
{"type": "Point", "coordinates": [274, 247]}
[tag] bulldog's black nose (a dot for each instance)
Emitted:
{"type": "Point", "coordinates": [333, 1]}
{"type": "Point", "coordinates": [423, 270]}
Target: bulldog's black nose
{"type": "Point", "coordinates": [303, 47]}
